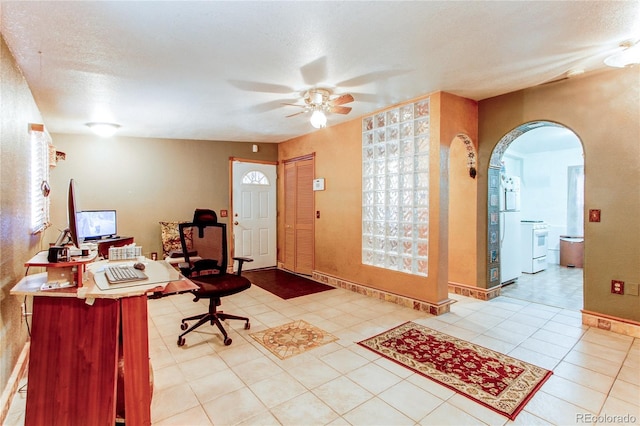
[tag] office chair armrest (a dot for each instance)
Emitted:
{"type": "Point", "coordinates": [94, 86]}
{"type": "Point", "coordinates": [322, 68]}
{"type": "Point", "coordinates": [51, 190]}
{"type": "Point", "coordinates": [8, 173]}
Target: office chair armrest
{"type": "Point", "coordinates": [241, 261]}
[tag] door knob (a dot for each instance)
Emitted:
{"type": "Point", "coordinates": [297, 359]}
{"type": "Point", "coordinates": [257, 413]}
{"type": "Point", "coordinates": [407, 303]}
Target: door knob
{"type": "Point", "coordinates": [235, 223]}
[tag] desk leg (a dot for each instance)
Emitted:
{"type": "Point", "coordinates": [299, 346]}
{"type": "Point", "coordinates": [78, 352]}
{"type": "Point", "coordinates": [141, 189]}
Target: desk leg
{"type": "Point", "coordinates": [135, 348]}
{"type": "Point", "coordinates": [72, 362]}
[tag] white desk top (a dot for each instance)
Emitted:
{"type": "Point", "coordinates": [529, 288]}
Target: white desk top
{"type": "Point", "coordinates": [160, 273]}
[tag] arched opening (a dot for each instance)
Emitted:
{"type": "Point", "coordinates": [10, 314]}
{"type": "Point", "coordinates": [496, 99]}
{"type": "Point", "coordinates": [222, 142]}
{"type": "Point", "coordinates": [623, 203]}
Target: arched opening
{"type": "Point", "coordinates": [535, 215]}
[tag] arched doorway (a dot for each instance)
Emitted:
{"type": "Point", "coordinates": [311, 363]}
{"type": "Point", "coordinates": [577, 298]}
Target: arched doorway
{"type": "Point", "coordinates": [536, 201]}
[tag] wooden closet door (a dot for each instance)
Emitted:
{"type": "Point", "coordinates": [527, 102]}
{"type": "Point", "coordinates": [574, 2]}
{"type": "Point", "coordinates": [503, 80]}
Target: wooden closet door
{"type": "Point", "coordinates": [299, 216]}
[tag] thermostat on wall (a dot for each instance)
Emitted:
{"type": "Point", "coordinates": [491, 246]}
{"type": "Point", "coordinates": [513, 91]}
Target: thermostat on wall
{"type": "Point", "coordinates": [318, 184]}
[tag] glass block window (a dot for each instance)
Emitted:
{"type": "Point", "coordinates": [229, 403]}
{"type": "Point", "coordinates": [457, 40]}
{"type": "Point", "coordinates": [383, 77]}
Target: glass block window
{"type": "Point", "coordinates": [395, 188]}
{"type": "Point", "coordinates": [255, 177]}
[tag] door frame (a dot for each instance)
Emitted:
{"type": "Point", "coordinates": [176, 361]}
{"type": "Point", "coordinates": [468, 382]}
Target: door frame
{"type": "Point", "coordinates": [493, 173]}
{"type": "Point", "coordinates": [231, 235]}
{"type": "Point", "coordinates": [306, 157]}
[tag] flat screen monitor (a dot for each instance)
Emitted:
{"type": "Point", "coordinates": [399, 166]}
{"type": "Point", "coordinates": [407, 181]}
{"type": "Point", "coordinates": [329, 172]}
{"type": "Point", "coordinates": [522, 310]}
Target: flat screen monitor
{"type": "Point", "coordinates": [71, 215]}
{"type": "Point", "coordinates": [96, 224]}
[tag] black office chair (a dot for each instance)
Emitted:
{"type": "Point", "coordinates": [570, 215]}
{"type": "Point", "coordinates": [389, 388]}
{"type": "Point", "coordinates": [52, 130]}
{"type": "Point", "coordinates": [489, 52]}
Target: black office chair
{"type": "Point", "coordinates": [204, 244]}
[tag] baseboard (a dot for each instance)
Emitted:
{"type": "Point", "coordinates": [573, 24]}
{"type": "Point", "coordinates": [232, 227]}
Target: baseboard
{"type": "Point", "coordinates": [418, 305]}
{"type": "Point", "coordinates": [474, 292]}
{"type": "Point", "coordinates": [14, 381]}
{"type": "Point", "coordinates": [610, 323]}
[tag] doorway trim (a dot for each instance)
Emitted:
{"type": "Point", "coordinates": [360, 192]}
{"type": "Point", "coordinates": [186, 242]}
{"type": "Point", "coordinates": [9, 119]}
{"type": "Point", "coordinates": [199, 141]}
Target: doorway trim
{"type": "Point", "coordinates": [231, 234]}
{"type": "Point", "coordinates": [493, 205]}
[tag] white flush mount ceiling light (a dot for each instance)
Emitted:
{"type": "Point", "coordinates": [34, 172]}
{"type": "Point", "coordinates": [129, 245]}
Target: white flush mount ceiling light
{"type": "Point", "coordinates": [629, 56]}
{"type": "Point", "coordinates": [318, 119]}
{"type": "Point", "coordinates": [104, 130]}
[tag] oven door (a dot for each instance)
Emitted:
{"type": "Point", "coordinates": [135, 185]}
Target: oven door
{"type": "Point", "coordinates": [540, 237]}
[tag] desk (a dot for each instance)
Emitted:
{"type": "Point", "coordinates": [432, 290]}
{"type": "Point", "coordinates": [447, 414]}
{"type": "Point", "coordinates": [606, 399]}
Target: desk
{"type": "Point", "coordinates": [76, 337]}
{"type": "Point", "coordinates": [71, 270]}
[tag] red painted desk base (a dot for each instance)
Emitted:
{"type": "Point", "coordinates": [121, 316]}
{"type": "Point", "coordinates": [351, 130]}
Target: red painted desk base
{"type": "Point", "coordinates": [73, 361]}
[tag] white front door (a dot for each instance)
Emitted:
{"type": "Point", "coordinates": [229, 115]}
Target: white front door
{"type": "Point", "coordinates": [254, 209]}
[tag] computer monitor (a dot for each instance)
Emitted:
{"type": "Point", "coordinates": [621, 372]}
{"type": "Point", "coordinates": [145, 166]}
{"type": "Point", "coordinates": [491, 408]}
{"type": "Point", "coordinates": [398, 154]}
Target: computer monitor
{"type": "Point", "coordinates": [96, 224]}
{"type": "Point", "coordinates": [70, 235]}
{"type": "Point", "coordinates": [71, 215]}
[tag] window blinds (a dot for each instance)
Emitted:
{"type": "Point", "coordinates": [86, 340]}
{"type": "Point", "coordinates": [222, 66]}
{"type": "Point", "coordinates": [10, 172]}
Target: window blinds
{"type": "Point", "coordinates": [40, 142]}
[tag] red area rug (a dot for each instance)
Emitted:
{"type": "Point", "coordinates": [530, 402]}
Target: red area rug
{"type": "Point", "coordinates": [497, 381]}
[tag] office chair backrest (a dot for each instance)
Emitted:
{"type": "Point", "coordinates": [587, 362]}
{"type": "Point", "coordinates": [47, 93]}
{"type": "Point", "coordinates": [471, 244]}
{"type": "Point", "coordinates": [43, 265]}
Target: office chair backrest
{"type": "Point", "coordinates": [205, 216]}
{"type": "Point", "coordinates": [208, 242]}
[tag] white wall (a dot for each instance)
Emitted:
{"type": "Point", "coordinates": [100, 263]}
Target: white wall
{"type": "Point", "coordinates": [544, 189]}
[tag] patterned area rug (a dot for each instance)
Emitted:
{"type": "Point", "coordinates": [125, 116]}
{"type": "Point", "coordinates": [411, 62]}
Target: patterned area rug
{"type": "Point", "coordinates": [495, 380]}
{"type": "Point", "coordinates": [293, 338]}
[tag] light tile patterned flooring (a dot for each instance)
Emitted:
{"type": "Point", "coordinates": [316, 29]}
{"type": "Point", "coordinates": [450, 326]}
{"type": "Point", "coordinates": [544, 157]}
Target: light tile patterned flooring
{"type": "Point", "coordinates": [596, 373]}
{"type": "Point", "coordinates": [555, 286]}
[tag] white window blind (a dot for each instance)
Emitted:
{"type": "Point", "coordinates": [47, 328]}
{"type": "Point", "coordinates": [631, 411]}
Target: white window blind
{"type": "Point", "coordinates": [40, 142]}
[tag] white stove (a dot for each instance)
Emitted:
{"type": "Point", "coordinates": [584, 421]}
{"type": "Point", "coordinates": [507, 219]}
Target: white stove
{"type": "Point", "coordinates": [535, 236]}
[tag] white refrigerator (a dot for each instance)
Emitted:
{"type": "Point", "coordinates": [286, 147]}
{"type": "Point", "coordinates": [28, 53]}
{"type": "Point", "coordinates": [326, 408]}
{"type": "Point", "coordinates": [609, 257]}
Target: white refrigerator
{"type": "Point", "coordinates": [510, 228]}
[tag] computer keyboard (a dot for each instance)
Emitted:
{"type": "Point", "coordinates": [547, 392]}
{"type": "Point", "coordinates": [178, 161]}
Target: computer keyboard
{"type": "Point", "coordinates": [123, 274]}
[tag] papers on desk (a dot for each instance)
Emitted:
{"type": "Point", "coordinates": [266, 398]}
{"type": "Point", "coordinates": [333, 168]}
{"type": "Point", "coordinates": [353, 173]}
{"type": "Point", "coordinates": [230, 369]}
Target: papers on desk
{"type": "Point", "coordinates": [160, 273]}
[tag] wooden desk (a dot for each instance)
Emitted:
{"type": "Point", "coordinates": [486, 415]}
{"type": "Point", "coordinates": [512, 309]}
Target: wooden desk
{"type": "Point", "coordinates": [76, 337]}
{"type": "Point", "coordinates": [73, 269]}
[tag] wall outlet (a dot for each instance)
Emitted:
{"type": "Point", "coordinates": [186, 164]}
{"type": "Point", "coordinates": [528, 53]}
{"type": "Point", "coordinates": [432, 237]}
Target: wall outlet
{"type": "Point", "coordinates": [617, 287]}
{"type": "Point", "coordinates": [632, 289]}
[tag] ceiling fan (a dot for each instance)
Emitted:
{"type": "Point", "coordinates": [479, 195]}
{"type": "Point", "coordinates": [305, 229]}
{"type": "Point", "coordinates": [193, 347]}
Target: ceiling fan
{"type": "Point", "coordinates": [318, 101]}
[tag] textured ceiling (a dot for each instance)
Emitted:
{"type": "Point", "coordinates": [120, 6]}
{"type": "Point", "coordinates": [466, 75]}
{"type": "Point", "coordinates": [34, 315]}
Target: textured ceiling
{"type": "Point", "coordinates": [222, 70]}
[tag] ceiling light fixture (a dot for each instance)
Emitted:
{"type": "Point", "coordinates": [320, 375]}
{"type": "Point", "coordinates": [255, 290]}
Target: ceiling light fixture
{"type": "Point", "coordinates": [104, 130]}
{"type": "Point", "coordinates": [318, 119]}
{"type": "Point", "coordinates": [629, 56]}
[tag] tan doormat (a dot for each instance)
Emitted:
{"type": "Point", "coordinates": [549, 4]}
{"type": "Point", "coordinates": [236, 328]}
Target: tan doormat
{"type": "Point", "coordinates": [497, 381]}
{"type": "Point", "coordinates": [293, 338]}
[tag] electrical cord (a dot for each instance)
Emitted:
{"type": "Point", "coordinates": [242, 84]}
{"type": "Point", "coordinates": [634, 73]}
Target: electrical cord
{"type": "Point", "coordinates": [24, 309]}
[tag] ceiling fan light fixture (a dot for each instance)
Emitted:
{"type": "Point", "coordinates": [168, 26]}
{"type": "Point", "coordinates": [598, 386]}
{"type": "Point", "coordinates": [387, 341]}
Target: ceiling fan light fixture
{"type": "Point", "coordinates": [629, 56]}
{"type": "Point", "coordinates": [318, 119]}
{"type": "Point", "coordinates": [104, 130]}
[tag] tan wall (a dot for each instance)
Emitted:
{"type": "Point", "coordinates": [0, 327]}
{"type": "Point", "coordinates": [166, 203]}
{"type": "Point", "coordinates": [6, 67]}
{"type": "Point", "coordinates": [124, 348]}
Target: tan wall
{"type": "Point", "coordinates": [458, 117]}
{"type": "Point", "coordinates": [604, 111]}
{"type": "Point", "coordinates": [146, 180]}
{"type": "Point", "coordinates": [17, 108]}
{"type": "Point", "coordinates": [338, 232]}
{"type": "Point", "coordinates": [462, 217]}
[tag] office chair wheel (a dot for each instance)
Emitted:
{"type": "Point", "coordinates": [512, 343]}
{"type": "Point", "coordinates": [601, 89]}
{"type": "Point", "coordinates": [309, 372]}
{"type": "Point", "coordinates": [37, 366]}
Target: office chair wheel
{"type": "Point", "coordinates": [247, 326]}
{"type": "Point", "coordinates": [183, 326]}
{"type": "Point", "coordinates": [181, 341]}
{"type": "Point", "coordinates": [227, 341]}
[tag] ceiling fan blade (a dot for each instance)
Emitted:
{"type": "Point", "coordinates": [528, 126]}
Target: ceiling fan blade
{"type": "Point", "coordinates": [371, 77]}
{"type": "Point", "coordinates": [297, 113]}
{"type": "Point", "coordinates": [256, 86]}
{"type": "Point", "coordinates": [295, 105]}
{"type": "Point", "coordinates": [340, 109]}
{"type": "Point", "coordinates": [342, 99]}
{"type": "Point", "coordinates": [268, 106]}
{"type": "Point", "coordinates": [315, 72]}
{"type": "Point", "coordinates": [367, 97]}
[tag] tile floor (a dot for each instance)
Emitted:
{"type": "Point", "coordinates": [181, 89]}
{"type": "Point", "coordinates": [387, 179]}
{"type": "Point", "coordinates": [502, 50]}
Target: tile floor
{"type": "Point", "coordinates": [596, 373]}
{"type": "Point", "coordinates": [555, 286]}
